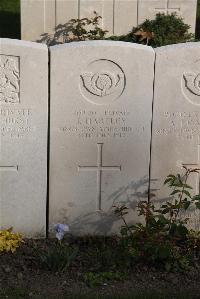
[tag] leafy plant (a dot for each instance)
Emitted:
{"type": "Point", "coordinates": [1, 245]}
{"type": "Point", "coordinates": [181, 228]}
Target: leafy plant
{"type": "Point", "coordinates": [58, 257]}
{"type": "Point", "coordinates": [76, 30]}
{"type": "Point", "coordinates": [163, 30]}
{"type": "Point", "coordinates": [9, 241]}
{"type": "Point", "coordinates": [164, 238]}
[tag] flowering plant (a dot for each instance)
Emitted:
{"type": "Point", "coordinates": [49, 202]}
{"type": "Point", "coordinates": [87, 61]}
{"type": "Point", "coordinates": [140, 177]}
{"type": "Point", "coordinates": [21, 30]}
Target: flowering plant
{"type": "Point", "coordinates": [60, 230]}
{"type": "Point", "coordinates": [9, 241]}
{"type": "Point", "coordinates": [60, 255]}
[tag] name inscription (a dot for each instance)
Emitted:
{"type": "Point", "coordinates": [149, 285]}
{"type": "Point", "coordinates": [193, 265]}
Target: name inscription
{"type": "Point", "coordinates": [16, 123]}
{"type": "Point", "coordinates": [107, 124]}
{"type": "Point", "coordinates": [180, 124]}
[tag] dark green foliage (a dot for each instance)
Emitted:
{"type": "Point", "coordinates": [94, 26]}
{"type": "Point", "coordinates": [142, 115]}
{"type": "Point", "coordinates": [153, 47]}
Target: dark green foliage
{"type": "Point", "coordinates": [198, 20]}
{"type": "Point", "coordinates": [164, 239]}
{"type": "Point", "coordinates": [10, 18]}
{"type": "Point", "coordinates": [164, 30]}
{"type": "Point", "coordinates": [167, 29]}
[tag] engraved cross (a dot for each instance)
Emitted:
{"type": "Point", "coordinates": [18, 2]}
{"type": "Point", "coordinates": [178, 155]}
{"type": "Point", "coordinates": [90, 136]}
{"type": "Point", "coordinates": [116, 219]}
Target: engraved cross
{"type": "Point", "coordinates": [195, 165]}
{"type": "Point", "coordinates": [99, 168]}
{"type": "Point", "coordinates": [168, 10]}
{"type": "Point", "coordinates": [8, 168]}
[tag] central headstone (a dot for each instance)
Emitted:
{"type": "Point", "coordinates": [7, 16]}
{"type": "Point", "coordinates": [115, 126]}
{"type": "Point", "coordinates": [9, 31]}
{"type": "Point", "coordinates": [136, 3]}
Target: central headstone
{"type": "Point", "coordinates": [101, 110]}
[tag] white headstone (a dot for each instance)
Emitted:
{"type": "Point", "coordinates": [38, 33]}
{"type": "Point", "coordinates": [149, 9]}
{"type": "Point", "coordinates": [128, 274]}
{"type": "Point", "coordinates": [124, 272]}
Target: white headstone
{"type": "Point", "coordinates": [176, 117]}
{"type": "Point", "coordinates": [186, 9]}
{"type": "Point", "coordinates": [118, 16]}
{"type": "Point", "coordinates": [101, 103]}
{"type": "Point", "coordinates": [42, 16]}
{"type": "Point", "coordinates": [23, 136]}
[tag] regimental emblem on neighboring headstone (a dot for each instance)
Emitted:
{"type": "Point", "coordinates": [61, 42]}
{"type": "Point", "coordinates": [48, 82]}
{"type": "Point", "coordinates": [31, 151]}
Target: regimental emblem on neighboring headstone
{"type": "Point", "coordinates": [103, 82]}
{"type": "Point", "coordinates": [192, 82]}
{"type": "Point", "coordinates": [9, 79]}
{"type": "Point", "coordinates": [191, 87]}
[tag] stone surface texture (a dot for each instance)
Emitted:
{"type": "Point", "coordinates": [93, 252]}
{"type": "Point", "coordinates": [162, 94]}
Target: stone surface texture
{"type": "Point", "coordinates": [176, 118]}
{"type": "Point", "coordinates": [101, 111]}
{"type": "Point", "coordinates": [23, 136]}
{"type": "Point", "coordinates": [118, 16]}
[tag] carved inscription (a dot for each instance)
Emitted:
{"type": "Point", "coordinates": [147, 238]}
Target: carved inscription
{"type": "Point", "coordinates": [9, 79]}
{"type": "Point", "coordinates": [16, 123]}
{"type": "Point", "coordinates": [102, 82]}
{"type": "Point", "coordinates": [108, 124]}
{"type": "Point", "coordinates": [180, 124]}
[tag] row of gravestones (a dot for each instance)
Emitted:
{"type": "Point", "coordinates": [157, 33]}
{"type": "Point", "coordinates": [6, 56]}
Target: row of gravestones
{"type": "Point", "coordinates": [97, 126]}
{"type": "Point", "coordinates": [118, 16]}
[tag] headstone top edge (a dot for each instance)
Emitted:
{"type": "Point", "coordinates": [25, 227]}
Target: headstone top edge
{"type": "Point", "coordinates": [103, 43]}
{"type": "Point", "coordinates": [23, 43]}
{"type": "Point", "coordinates": [174, 47]}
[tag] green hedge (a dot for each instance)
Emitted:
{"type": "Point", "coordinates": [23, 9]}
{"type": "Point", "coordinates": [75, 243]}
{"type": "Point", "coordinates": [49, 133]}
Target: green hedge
{"type": "Point", "coordinates": [10, 18]}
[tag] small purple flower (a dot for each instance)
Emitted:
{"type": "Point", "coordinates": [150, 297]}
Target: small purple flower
{"type": "Point", "coordinates": [60, 230]}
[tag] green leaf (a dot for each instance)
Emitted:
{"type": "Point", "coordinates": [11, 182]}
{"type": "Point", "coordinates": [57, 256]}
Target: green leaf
{"type": "Point", "coordinates": [163, 220]}
{"type": "Point", "coordinates": [178, 184]}
{"type": "Point", "coordinates": [165, 211]}
{"type": "Point", "coordinates": [196, 197]}
{"type": "Point", "coordinates": [175, 192]}
{"type": "Point", "coordinates": [186, 205]}
{"type": "Point", "coordinates": [182, 230]}
{"type": "Point", "coordinates": [171, 176]}
{"type": "Point", "coordinates": [167, 181]}
{"type": "Point", "coordinates": [188, 186]}
{"type": "Point", "coordinates": [197, 205]}
{"type": "Point", "coordinates": [187, 193]}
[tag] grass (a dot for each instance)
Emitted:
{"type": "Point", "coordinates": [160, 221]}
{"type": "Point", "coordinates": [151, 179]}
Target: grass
{"type": "Point", "coordinates": [10, 18]}
{"type": "Point", "coordinates": [21, 293]}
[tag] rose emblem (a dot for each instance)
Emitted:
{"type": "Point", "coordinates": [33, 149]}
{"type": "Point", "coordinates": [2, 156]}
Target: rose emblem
{"type": "Point", "coordinates": [192, 82]}
{"type": "Point", "coordinates": [9, 81]}
{"type": "Point", "coordinates": [101, 84]}
{"type": "Point", "coordinates": [8, 94]}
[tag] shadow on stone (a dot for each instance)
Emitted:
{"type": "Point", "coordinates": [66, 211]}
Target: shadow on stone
{"type": "Point", "coordinates": [102, 223]}
{"type": "Point", "coordinates": [74, 30]}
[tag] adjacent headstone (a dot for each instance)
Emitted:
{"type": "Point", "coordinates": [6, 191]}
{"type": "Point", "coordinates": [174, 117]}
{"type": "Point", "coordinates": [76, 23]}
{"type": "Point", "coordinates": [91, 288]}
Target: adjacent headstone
{"type": "Point", "coordinates": [42, 16]}
{"type": "Point", "coordinates": [101, 111]}
{"type": "Point", "coordinates": [176, 118]}
{"type": "Point", "coordinates": [23, 136]}
{"type": "Point", "coordinates": [118, 16]}
{"type": "Point", "coordinates": [186, 9]}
